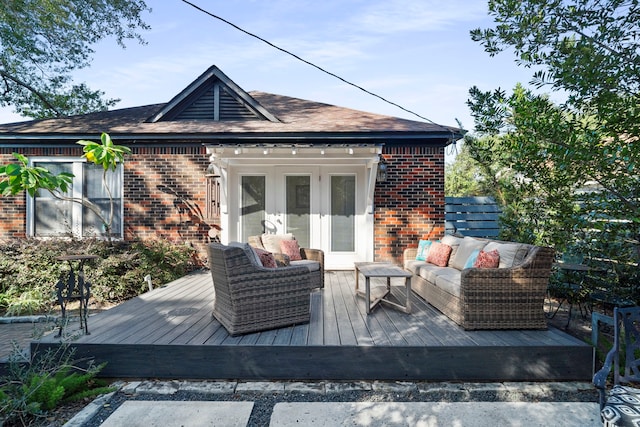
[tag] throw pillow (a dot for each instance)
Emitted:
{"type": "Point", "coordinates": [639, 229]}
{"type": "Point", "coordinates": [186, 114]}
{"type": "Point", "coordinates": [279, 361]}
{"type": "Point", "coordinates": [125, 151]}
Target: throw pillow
{"type": "Point", "coordinates": [489, 259]}
{"type": "Point", "coordinates": [508, 253]}
{"type": "Point", "coordinates": [439, 254]}
{"type": "Point", "coordinates": [423, 250]}
{"type": "Point", "coordinates": [468, 245]}
{"type": "Point", "coordinates": [266, 258]}
{"type": "Point", "coordinates": [472, 259]}
{"type": "Point", "coordinates": [291, 249]}
{"type": "Point", "coordinates": [255, 242]}
{"type": "Point", "coordinates": [454, 242]}
{"type": "Point", "coordinates": [271, 242]}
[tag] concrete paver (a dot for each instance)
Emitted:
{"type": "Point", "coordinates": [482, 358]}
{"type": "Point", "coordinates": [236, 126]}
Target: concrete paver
{"type": "Point", "coordinates": [434, 414]}
{"type": "Point", "coordinates": [144, 413]}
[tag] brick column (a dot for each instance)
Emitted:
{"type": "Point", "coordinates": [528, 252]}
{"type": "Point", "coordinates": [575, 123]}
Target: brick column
{"type": "Point", "coordinates": [409, 206]}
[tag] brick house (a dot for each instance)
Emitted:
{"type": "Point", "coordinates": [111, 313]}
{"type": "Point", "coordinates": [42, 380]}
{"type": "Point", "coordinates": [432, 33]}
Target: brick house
{"type": "Point", "coordinates": [216, 160]}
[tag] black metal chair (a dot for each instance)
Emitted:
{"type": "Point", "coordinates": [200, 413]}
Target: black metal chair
{"type": "Point", "coordinates": [622, 405]}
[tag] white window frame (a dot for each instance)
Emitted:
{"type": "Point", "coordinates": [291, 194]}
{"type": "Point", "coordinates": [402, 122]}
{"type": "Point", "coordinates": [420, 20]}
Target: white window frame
{"type": "Point", "coordinates": [77, 190]}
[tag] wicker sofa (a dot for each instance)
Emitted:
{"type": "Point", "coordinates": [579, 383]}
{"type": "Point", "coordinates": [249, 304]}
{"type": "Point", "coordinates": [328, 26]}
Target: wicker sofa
{"type": "Point", "coordinates": [250, 297]}
{"type": "Point", "coordinates": [508, 297]}
{"type": "Point", "coordinates": [313, 259]}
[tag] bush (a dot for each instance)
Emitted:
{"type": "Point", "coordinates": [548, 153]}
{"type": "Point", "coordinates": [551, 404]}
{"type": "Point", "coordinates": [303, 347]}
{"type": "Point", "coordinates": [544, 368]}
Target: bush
{"type": "Point", "coordinates": [32, 389]}
{"type": "Point", "coordinates": [29, 270]}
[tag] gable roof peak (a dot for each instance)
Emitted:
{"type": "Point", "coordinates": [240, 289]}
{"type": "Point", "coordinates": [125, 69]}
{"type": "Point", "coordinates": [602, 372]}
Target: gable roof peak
{"type": "Point", "coordinates": [213, 96]}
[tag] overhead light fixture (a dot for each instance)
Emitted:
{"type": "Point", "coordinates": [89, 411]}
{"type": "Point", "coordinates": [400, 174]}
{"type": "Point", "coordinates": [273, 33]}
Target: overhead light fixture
{"type": "Point", "coordinates": [381, 175]}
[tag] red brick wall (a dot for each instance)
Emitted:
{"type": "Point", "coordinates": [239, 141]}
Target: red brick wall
{"type": "Point", "coordinates": [409, 206]}
{"type": "Point", "coordinates": [164, 194]}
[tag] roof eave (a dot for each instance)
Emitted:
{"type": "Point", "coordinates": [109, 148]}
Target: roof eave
{"type": "Point", "coordinates": [395, 138]}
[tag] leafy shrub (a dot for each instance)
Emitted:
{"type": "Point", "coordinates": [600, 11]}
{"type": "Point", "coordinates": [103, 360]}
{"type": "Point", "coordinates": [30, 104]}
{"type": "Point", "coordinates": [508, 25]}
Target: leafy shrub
{"type": "Point", "coordinates": [29, 270]}
{"type": "Point", "coordinates": [31, 389]}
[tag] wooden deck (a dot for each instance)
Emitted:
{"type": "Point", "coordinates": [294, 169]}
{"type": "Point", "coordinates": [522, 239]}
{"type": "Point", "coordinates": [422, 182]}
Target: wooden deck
{"type": "Point", "coordinates": [170, 333]}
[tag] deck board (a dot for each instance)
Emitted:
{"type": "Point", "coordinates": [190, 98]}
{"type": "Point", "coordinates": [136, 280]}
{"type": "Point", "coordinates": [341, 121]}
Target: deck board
{"type": "Point", "coordinates": [169, 332]}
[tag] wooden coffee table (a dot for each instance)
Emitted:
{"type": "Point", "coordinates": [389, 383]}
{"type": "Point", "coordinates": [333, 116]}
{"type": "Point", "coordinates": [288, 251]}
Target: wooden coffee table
{"type": "Point", "coordinates": [378, 295]}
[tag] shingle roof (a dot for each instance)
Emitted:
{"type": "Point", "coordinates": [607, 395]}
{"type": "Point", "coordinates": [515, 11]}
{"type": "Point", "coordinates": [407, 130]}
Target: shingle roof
{"type": "Point", "coordinates": [296, 115]}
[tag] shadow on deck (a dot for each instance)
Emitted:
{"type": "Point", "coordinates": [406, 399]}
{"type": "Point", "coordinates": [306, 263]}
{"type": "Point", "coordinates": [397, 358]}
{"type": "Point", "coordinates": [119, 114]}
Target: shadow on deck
{"type": "Point", "coordinates": [170, 333]}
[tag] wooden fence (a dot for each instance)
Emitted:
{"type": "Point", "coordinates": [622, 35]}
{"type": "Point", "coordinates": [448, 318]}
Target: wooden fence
{"type": "Point", "coordinates": [472, 216]}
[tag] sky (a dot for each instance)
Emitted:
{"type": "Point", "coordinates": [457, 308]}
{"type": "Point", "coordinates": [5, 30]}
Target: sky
{"type": "Point", "coordinates": [416, 53]}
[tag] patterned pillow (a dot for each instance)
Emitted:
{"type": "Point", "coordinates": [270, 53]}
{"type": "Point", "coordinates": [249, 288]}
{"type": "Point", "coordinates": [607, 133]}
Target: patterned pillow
{"type": "Point", "coordinates": [423, 250]}
{"type": "Point", "coordinates": [266, 258]}
{"type": "Point", "coordinates": [291, 248]}
{"type": "Point", "coordinates": [439, 254]}
{"type": "Point", "coordinates": [489, 259]}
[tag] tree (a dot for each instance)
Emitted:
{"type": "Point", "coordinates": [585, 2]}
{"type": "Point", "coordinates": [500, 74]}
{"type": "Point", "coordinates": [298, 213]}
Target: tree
{"type": "Point", "coordinates": [42, 42]}
{"type": "Point", "coordinates": [466, 177]}
{"type": "Point", "coordinates": [577, 162]}
{"type": "Point", "coordinates": [17, 177]}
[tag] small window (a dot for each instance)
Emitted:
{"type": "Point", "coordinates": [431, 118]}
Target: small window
{"type": "Point", "coordinates": [48, 216]}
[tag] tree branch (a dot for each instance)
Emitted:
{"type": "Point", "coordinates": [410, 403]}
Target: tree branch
{"type": "Point", "coordinates": [31, 89]}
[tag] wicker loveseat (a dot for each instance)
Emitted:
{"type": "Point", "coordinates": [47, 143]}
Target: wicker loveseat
{"type": "Point", "coordinates": [508, 297]}
{"type": "Point", "coordinates": [313, 259]}
{"type": "Point", "coordinates": [250, 297]}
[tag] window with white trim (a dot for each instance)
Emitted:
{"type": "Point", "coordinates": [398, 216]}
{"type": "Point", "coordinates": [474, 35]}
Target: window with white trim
{"type": "Point", "coordinates": [48, 216]}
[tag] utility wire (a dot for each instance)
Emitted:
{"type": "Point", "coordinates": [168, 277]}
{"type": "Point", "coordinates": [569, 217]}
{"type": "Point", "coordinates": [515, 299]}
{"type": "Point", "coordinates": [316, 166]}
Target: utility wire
{"type": "Point", "coordinates": [311, 63]}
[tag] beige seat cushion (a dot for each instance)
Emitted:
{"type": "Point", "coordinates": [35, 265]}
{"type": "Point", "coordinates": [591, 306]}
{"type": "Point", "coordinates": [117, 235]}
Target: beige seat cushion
{"type": "Point", "coordinates": [413, 265]}
{"type": "Point", "coordinates": [468, 245]}
{"type": "Point", "coordinates": [510, 253]}
{"type": "Point", "coordinates": [454, 242]}
{"type": "Point", "coordinates": [271, 242]}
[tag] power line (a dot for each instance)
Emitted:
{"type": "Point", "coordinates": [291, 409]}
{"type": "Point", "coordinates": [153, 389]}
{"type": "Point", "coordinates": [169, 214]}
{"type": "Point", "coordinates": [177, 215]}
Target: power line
{"type": "Point", "coordinates": [310, 63]}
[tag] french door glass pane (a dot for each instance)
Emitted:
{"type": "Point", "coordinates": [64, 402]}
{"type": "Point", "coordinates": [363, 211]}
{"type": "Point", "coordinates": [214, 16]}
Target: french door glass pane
{"type": "Point", "coordinates": [95, 192]}
{"type": "Point", "coordinates": [298, 209]}
{"type": "Point", "coordinates": [53, 217]}
{"type": "Point", "coordinates": [343, 210]}
{"type": "Point", "coordinates": [252, 206]}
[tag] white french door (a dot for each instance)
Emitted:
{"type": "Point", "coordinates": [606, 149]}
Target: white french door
{"type": "Point", "coordinates": [342, 213]}
{"type": "Point", "coordinates": [322, 206]}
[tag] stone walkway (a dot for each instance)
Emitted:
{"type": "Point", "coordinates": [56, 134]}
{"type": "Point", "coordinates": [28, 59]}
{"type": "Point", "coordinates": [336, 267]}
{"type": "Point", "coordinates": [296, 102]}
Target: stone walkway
{"type": "Point", "coordinates": [164, 403]}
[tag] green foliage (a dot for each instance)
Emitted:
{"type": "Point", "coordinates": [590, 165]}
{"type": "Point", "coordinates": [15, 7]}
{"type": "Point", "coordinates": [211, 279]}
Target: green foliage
{"type": "Point", "coordinates": [21, 176]}
{"type": "Point", "coordinates": [31, 389]}
{"type": "Point", "coordinates": [42, 42]}
{"type": "Point", "coordinates": [29, 270]}
{"type": "Point", "coordinates": [105, 153]}
{"type": "Point", "coordinates": [575, 166]}
{"type": "Point", "coordinates": [463, 177]}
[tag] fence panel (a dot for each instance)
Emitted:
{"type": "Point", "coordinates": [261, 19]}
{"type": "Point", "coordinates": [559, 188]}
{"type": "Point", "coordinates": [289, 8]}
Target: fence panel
{"type": "Point", "coordinates": [472, 216]}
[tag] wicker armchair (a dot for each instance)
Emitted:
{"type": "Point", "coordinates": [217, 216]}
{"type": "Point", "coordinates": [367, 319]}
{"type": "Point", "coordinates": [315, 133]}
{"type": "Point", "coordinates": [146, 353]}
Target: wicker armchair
{"type": "Point", "coordinates": [251, 298]}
